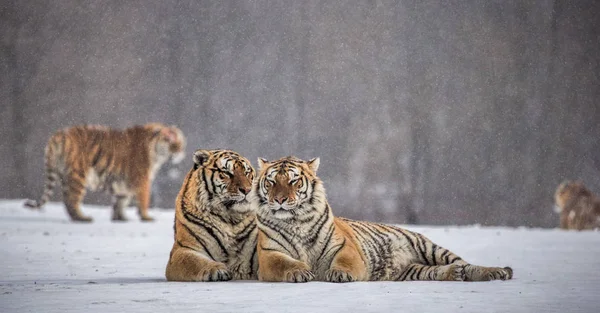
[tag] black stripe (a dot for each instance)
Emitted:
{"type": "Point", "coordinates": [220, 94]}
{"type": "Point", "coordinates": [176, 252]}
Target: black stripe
{"type": "Point", "coordinates": [247, 234]}
{"type": "Point", "coordinates": [96, 157]}
{"type": "Point", "coordinates": [192, 219]}
{"type": "Point", "coordinates": [252, 257]}
{"type": "Point", "coordinates": [339, 247]}
{"type": "Point", "coordinates": [109, 158]}
{"type": "Point", "coordinates": [280, 244]}
{"type": "Point", "coordinates": [415, 247]}
{"type": "Point", "coordinates": [421, 241]}
{"type": "Point", "coordinates": [434, 248]}
{"type": "Point", "coordinates": [314, 233]}
{"type": "Point", "coordinates": [183, 246]}
{"type": "Point", "coordinates": [455, 258]}
{"type": "Point", "coordinates": [444, 256]}
{"type": "Point", "coordinates": [268, 249]}
{"type": "Point", "coordinates": [199, 240]}
{"type": "Point", "coordinates": [419, 272]}
{"type": "Point", "coordinates": [212, 180]}
{"type": "Point", "coordinates": [203, 174]}
{"type": "Point", "coordinates": [327, 240]}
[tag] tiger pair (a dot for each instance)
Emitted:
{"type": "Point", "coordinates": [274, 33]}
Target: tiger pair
{"type": "Point", "coordinates": [279, 227]}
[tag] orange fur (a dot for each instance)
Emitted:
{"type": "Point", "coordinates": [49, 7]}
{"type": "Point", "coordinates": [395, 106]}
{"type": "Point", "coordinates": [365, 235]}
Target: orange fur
{"type": "Point", "coordinates": [121, 162]}
{"type": "Point", "coordinates": [215, 231]}
{"type": "Point", "coordinates": [300, 239]}
{"type": "Point", "coordinates": [579, 207]}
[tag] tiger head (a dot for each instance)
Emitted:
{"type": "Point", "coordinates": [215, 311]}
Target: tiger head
{"type": "Point", "coordinates": [170, 142]}
{"type": "Point", "coordinates": [227, 177]}
{"type": "Point", "coordinates": [567, 192]}
{"type": "Point", "coordinates": [286, 186]}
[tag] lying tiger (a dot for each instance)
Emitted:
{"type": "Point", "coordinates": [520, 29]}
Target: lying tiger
{"type": "Point", "coordinates": [122, 162]}
{"type": "Point", "coordinates": [215, 229]}
{"type": "Point", "coordinates": [299, 238]}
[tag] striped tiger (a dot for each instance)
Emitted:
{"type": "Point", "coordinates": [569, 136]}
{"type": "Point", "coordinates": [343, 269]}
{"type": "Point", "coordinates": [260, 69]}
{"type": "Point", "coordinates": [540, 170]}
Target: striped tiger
{"type": "Point", "coordinates": [578, 207]}
{"type": "Point", "coordinates": [299, 239]}
{"type": "Point", "coordinates": [215, 230]}
{"type": "Point", "coordinates": [121, 162]}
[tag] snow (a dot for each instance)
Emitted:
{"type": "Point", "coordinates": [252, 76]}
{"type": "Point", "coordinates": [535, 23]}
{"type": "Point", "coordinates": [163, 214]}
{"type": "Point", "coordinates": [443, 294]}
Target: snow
{"type": "Point", "coordinates": [52, 265]}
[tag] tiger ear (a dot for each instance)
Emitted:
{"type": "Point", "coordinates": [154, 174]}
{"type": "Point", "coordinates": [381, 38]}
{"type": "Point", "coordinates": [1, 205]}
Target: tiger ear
{"type": "Point", "coordinates": [200, 157]}
{"type": "Point", "coordinates": [262, 163]}
{"type": "Point", "coordinates": [313, 164]}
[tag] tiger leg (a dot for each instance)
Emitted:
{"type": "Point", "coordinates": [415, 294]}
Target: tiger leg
{"type": "Point", "coordinates": [143, 201]}
{"type": "Point", "coordinates": [483, 273]}
{"type": "Point", "coordinates": [415, 271]}
{"type": "Point", "coordinates": [347, 266]}
{"type": "Point", "coordinates": [73, 193]}
{"type": "Point", "coordinates": [564, 220]}
{"type": "Point", "coordinates": [278, 267]}
{"type": "Point", "coordinates": [436, 255]}
{"type": "Point", "coordinates": [186, 264]}
{"type": "Point", "coordinates": [119, 203]}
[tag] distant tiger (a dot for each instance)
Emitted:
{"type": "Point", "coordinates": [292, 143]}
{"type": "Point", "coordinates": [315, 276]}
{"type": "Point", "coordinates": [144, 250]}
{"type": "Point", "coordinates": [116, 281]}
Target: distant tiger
{"type": "Point", "coordinates": [215, 230]}
{"type": "Point", "coordinates": [299, 238]}
{"type": "Point", "coordinates": [578, 207]}
{"type": "Point", "coordinates": [121, 162]}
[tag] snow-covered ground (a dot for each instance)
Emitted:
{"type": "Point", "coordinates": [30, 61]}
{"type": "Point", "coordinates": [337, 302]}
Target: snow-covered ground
{"type": "Point", "coordinates": [52, 265]}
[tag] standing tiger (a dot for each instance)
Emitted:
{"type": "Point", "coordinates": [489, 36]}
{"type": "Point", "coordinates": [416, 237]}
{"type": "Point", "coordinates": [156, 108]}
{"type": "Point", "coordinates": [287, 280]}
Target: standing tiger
{"type": "Point", "coordinates": [578, 207]}
{"type": "Point", "coordinates": [299, 238]}
{"type": "Point", "coordinates": [215, 229]}
{"type": "Point", "coordinates": [121, 162]}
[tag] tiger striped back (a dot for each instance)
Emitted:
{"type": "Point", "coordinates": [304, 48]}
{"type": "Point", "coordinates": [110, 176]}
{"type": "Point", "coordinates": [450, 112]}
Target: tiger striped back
{"type": "Point", "coordinates": [120, 162]}
{"type": "Point", "coordinates": [215, 229]}
{"type": "Point", "coordinates": [300, 239]}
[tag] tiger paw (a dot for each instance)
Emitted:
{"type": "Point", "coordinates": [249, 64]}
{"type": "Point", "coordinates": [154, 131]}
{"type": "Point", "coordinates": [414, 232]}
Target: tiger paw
{"type": "Point", "coordinates": [497, 273]}
{"type": "Point", "coordinates": [299, 276]}
{"type": "Point", "coordinates": [338, 276]}
{"type": "Point", "coordinates": [82, 219]}
{"type": "Point", "coordinates": [147, 218]}
{"type": "Point", "coordinates": [215, 273]}
{"type": "Point", "coordinates": [455, 273]}
{"type": "Point", "coordinates": [119, 219]}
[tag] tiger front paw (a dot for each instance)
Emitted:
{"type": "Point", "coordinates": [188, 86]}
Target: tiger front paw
{"type": "Point", "coordinates": [147, 218]}
{"type": "Point", "coordinates": [299, 276]}
{"type": "Point", "coordinates": [498, 273]}
{"type": "Point", "coordinates": [217, 272]}
{"type": "Point", "coordinates": [338, 276]}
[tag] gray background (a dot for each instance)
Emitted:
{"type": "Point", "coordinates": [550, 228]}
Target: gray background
{"type": "Point", "coordinates": [436, 112]}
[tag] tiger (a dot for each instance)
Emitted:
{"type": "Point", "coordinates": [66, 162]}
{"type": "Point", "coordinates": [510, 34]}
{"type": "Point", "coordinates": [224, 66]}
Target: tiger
{"type": "Point", "coordinates": [99, 158]}
{"type": "Point", "coordinates": [578, 207]}
{"type": "Point", "coordinates": [215, 229]}
{"type": "Point", "coordinates": [299, 238]}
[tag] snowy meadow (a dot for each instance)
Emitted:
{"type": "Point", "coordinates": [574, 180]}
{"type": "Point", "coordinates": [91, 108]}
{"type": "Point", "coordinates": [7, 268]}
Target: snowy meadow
{"type": "Point", "coordinates": [52, 265]}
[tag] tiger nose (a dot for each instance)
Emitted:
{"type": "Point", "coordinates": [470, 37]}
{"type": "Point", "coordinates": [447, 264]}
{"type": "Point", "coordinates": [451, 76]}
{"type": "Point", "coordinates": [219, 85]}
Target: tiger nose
{"type": "Point", "coordinates": [245, 191]}
{"type": "Point", "coordinates": [280, 200]}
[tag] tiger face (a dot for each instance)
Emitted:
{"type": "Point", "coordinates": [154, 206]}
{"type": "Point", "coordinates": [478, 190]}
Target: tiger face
{"type": "Point", "coordinates": [285, 185]}
{"type": "Point", "coordinates": [227, 177]}
{"type": "Point", "coordinates": [171, 143]}
{"type": "Point", "coordinates": [567, 192]}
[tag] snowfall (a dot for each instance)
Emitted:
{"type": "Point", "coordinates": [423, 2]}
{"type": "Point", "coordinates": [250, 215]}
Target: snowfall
{"type": "Point", "coordinates": [52, 265]}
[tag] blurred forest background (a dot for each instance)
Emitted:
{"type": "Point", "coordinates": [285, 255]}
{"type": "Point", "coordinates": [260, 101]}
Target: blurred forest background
{"type": "Point", "coordinates": [433, 112]}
